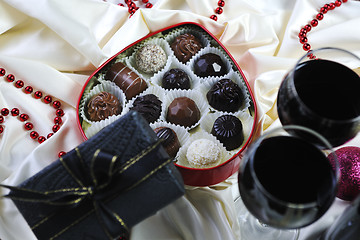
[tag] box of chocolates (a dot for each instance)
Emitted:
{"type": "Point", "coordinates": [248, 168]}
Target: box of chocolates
{"type": "Point", "coordinates": [191, 91]}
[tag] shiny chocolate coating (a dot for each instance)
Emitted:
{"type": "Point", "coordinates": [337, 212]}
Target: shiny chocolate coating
{"type": "Point", "coordinates": [128, 81]}
{"type": "Point", "coordinates": [228, 130]}
{"type": "Point", "coordinates": [185, 46]}
{"type": "Point", "coordinates": [170, 140]}
{"type": "Point", "coordinates": [149, 106]}
{"type": "Point", "coordinates": [150, 58]}
{"type": "Point", "coordinates": [101, 106]}
{"type": "Point", "coordinates": [183, 111]}
{"type": "Point", "coordinates": [225, 95]}
{"type": "Point", "coordinates": [210, 64]}
{"type": "Point", "coordinates": [176, 78]}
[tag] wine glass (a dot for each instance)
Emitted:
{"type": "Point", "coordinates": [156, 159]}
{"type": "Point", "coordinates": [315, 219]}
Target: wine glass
{"type": "Point", "coordinates": [285, 183]}
{"type": "Point", "coordinates": [322, 93]}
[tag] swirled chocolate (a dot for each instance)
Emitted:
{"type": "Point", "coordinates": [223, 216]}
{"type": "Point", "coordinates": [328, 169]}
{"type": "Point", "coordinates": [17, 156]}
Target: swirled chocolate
{"type": "Point", "coordinates": [228, 130]}
{"type": "Point", "coordinates": [149, 106]}
{"type": "Point", "coordinates": [101, 106]}
{"type": "Point", "coordinates": [128, 81]}
{"type": "Point", "coordinates": [225, 95]}
{"type": "Point", "coordinates": [210, 64]}
{"type": "Point", "coordinates": [183, 111]}
{"type": "Point", "coordinates": [171, 142]}
{"type": "Point", "coordinates": [176, 78]}
{"type": "Point", "coordinates": [185, 46]}
{"type": "Point", "coordinates": [150, 58]}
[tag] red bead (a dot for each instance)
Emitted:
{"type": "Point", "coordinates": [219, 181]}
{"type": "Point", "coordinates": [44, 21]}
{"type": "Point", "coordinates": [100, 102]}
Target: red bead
{"type": "Point", "coordinates": [41, 139]}
{"type": "Point", "coordinates": [319, 16]}
{"type": "Point", "coordinates": [303, 40]}
{"type": "Point", "coordinates": [132, 4]}
{"type": "Point", "coordinates": [344, 1]}
{"type": "Point", "coordinates": [28, 89]}
{"type": "Point", "coordinates": [28, 126]}
{"type": "Point", "coordinates": [61, 154]}
{"type": "Point", "coordinates": [302, 34]}
{"type": "Point", "coordinates": [57, 120]}
{"type": "Point", "coordinates": [308, 27]}
{"type": "Point", "coordinates": [47, 99]}
{"type": "Point", "coordinates": [1, 129]}
{"type": "Point", "coordinates": [55, 128]}
{"type": "Point", "coordinates": [219, 10]}
{"type": "Point", "coordinates": [121, 5]}
{"type": "Point", "coordinates": [5, 111]}
{"type": "Point", "coordinates": [132, 10]}
{"type": "Point", "coordinates": [10, 78]}
{"type": "Point", "coordinates": [2, 72]}
{"type": "Point", "coordinates": [306, 47]}
{"type": "Point", "coordinates": [332, 6]}
{"type": "Point", "coordinates": [323, 10]}
{"type": "Point", "coordinates": [213, 17]}
{"type": "Point", "coordinates": [49, 135]}
{"type": "Point", "coordinates": [56, 104]}
{"type": "Point", "coordinates": [145, 1]}
{"type": "Point", "coordinates": [59, 112]}
{"type": "Point", "coordinates": [127, 1]}
{"type": "Point", "coordinates": [337, 3]}
{"type": "Point", "coordinates": [1, 119]}
{"type": "Point", "coordinates": [24, 117]}
{"type": "Point", "coordinates": [314, 22]}
{"type": "Point", "coordinates": [38, 94]}
{"type": "Point", "coordinates": [303, 30]}
{"type": "Point", "coordinates": [327, 6]}
{"type": "Point", "coordinates": [15, 112]}
{"type": "Point", "coordinates": [34, 135]}
{"type": "Point", "coordinates": [19, 83]}
{"type": "Point", "coordinates": [148, 5]}
{"type": "Point", "coordinates": [221, 3]}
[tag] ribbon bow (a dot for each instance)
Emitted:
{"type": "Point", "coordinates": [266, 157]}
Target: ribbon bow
{"type": "Point", "coordinates": [99, 181]}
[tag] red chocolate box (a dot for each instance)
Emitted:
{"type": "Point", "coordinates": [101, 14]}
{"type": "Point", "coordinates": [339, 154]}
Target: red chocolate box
{"type": "Point", "coordinates": [181, 61]}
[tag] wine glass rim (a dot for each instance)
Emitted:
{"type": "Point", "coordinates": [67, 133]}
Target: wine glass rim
{"type": "Point", "coordinates": [257, 142]}
{"type": "Point", "coordinates": [309, 110]}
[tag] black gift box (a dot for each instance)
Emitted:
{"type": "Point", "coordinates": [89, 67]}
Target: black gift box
{"type": "Point", "coordinates": [102, 188]}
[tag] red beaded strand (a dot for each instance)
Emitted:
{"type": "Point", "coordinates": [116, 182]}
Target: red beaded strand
{"type": "Point", "coordinates": [314, 22]}
{"type": "Point", "coordinates": [132, 7]}
{"type": "Point", "coordinates": [23, 117]}
{"type": "Point", "coordinates": [219, 10]}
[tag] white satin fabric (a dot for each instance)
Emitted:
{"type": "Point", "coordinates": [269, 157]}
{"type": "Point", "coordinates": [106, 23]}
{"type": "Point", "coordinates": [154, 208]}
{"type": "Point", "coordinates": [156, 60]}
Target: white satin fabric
{"type": "Point", "coordinates": [54, 45]}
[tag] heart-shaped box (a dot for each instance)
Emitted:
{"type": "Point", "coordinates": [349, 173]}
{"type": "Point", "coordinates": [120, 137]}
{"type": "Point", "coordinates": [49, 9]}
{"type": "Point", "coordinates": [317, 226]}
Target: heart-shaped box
{"type": "Point", "coordinates": [143, 69]}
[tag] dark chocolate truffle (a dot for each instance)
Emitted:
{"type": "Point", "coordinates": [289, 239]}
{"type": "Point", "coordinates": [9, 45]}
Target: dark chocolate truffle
{"type": "Point", "coordinates": [171, 142]}
{"type": "Point", "coordinates": [149, 106]}
{"type": "Point", "coordinates": [225, 95]}
{"type": "Point", "coordinates": [228, 130]}
{"type": "Point", "coordinates": [183, 111]}
{"type": "Point", "coordinates": [150, 58]}
{"type": "Point", "coordinates": [185, 46]}
{"type": "Point", "coordinates": [102, 105]}
{"type": "Point", "coordinates": [126, 79]}
{"type": "Point", "coordinates": [209, 64]}
{"type": "Point", "coordinates": [176, 78]}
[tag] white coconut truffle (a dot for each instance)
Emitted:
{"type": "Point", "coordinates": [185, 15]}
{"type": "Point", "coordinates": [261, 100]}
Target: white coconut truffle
{"type": "Point", "coordinates": [150, 58]}
{"type": "Point", "coordinates": [203, 153]}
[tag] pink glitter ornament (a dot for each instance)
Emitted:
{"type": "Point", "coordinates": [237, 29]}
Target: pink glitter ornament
{"type": "Point", "coordinates": [349, 163]}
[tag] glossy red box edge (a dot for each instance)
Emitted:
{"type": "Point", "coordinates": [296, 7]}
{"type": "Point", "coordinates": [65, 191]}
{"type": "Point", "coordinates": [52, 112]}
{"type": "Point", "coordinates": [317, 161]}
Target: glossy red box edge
{"type": "Point", "coordinates": [194, 176]}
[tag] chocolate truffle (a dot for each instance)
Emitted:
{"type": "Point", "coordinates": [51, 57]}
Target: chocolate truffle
{"type": "Point", "coordinates": [228, 130]}
{"type": "Point", "coordinates": [185, 46]}
{"type": "Point", "coordinates": [176, 78]}
{"type": "Point", "coordinates": [183, 111]}
{"type": "Point", "coordinates": [203, 153]}
{"type": "Point", "coordinates": [101, 106]}
{"type": "Point", "coordinates": [150, 58]}
{"type": "Point", "coordinates": [209, 64]}
{"type": "Point", "coordinates": [225, 95]}
{"type": "Point", "coordinates": [171, 142]}
{"type": "Point", "coordinates": [128, 81]}
{"type": "Point", "coordinates": [149, 106]}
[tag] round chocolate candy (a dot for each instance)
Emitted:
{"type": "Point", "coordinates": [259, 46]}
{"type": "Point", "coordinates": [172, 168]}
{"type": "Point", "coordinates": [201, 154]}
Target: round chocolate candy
{"type": "Point", "coordinates": [128, 81]}
{"type": "Point", "coordinates": [183, 111]}
{"type": "Point", "coordinates": [150, 58]}
{"type": "Point", "coordinates": [209, 64]}
{"type": "Point", "coordinates": [225, 95]}
{"type": "Point", "coordinates": [176, 78]}
{"type": "Point", "coordinates": [170, 140]}
{"type": "Point", "coordinates": [185, 46]}
{"type": "Point", "coordinates": [228, 130]}
{"type": "Point", "coordinates": [149, 106]}
{"type": "Point", "coordinates": [101, 106]}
